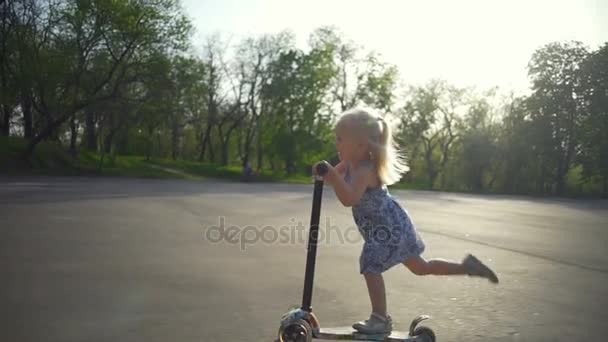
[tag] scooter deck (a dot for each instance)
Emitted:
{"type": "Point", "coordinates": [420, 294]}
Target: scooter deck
{"type": "Point", "coordinates": [348, 333]}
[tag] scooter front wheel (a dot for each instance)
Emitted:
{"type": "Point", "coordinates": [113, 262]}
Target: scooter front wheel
{"type": "Point", "coordinates": [298, 331]}
{"type": "Point", "coordinates": [426, 333]}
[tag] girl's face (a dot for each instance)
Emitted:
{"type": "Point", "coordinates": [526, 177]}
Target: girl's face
{"type": "Point", "coordinates": [350, 147]}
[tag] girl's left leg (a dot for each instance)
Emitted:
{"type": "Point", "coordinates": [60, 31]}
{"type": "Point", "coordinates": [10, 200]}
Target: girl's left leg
{"type": "Point", "coordinates": [377, 292]}
{"type": "Point", "coordinates": [379, 321]}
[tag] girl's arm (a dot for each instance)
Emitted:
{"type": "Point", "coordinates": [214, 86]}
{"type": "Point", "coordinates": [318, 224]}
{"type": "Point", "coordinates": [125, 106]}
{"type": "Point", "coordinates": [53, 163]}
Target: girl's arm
{"type": "Point", "coordinates": [349, 194]}
{"type": "Point", "coordinates": [341, 167]}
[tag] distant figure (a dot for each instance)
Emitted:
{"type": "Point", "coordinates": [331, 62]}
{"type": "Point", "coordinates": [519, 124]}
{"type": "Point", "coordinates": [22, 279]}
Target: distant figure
{"type": "Point", "coordinates": [247, 171]}
{"type": "Point", "coordinates": [368, 163]}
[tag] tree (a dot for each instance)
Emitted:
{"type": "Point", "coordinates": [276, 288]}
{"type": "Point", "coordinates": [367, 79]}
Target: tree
{"type": "Point", "coordinates": [450, 105]}
{"type": "Point", "coordinates": [297, 96]}
{"type": "Point", "coordinates": [479, 146]}
{"type": "Point", "coordinates": [186, 88]}
{"type": "Point", "coordinates": [429, 117]}
{"type": "Point", "coordinates": [360, 77]}
{"type": "Point", "coordinates": [96, 49]}
{"type": "Point", "coordinates": [594, 126]}
{"type": "Point", "coordinates": [214, 79]}
{"type": "Point", "coordinates": [253, 59]}
{"type": "Point", "coordinates": [8, 94]}
{"type": "Point", "coordinates": [515, 153]}
{"type": "Point", "coordinates": [555, 105]}
{"type": "Point", "coordinates": [157, 103]}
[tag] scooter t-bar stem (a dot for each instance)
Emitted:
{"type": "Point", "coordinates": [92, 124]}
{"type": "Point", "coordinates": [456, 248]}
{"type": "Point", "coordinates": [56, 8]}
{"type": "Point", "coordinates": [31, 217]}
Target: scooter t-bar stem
{"type": "Point", "coordinates": [321, 169]}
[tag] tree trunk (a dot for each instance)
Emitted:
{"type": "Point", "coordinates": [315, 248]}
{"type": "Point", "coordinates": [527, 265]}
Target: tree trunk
{"type": "Point", "coordinates": [106, 147]}
{"type": "Point", "coordinates": [107, 143]}
{"type": "Point", "coordinates": [26, 107]}
{"type": "Point", "coordinates": [430, 168]}
{"type": "Point", "coordinates": [47, 132]}
{"type": "Point", "coordinates": [492, 180]}
{"type": "Point", "coordinates": [288, 164]}
{"type": "Point", "coordinates": [100, 165]}
{"type": "Point", "coordinates": [5, 111]}
{"type": "Point", "coordinates": [149, 142]}
{"type": "Point", "coordinates": [445, 156]}
{"type": "Point", "coordinates": [211, 151]}
{"type": "Point", "coordinates": [160, 145]}
{"type": "Point", "coordinates": [203, 139]}
{"type": "Point", "coordinates": [73, 135]}
{"type": "Point", "coordinates": [223, 147]}
{"type": "Point", "coordinates": [564, 166]}
{"type": "Point", "coordinates": [479, 179]}
{"type": "Point", "coordinates": [560, 183]}
{"type": "Point", "coordinates": [259, 148]}
{"type": "Point", "coordinates": [91, 135]}
{"type": "Point", "coordinates": [432, 178]}
{"type": "Point", "coordinates": [148, 150]}
{"type": "Point", "coordinates": [5, 126]}
{"type": "Point", "coordinates": [51, 133]}
{"type": "Point", "coordinates": [175, 135]}
{"type": "Point", "coordinates": [240, 146]}
{"type": "Point", "coordinates": [225, 153]}
{"type": "Point", "coordinates": [260, 155]}
{"type": "Point", "coordinates": [290, 161]}
{"type": "Point", "coordinates": [207, 143]}
{"type": "Point", "coordinates": [560, 174]}
{"type": "Point", "coordinates": [226, 144]}
{"type": "Point", "coordinates": [507, 184]}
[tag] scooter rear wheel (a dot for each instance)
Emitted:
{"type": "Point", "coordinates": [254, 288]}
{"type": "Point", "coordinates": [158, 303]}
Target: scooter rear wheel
{"type": "Point", "coordinates": [298, 331]}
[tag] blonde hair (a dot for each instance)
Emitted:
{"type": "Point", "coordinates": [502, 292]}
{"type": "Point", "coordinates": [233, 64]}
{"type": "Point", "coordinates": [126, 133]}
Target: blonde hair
{"type": "Point", "coordinates": [387, 159]}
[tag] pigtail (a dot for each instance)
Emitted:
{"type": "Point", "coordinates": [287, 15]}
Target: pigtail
{"type": "Point", "coordinates": [389, 163]}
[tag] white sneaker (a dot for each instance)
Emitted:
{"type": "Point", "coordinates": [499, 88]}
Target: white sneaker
{"type": "Point", "coordinates": [376, 324]}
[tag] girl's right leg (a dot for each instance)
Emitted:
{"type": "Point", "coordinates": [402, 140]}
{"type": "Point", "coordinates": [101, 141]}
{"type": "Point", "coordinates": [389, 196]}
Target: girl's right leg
{"type": "Point", "coordinates": [419, 266]}
{"type": "Point", "coordinates": [470, 266]}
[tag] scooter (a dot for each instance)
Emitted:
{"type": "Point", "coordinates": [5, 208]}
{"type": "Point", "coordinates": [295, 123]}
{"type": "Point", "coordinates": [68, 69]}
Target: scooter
{"type": "Point", "coordinates": [301, 325]}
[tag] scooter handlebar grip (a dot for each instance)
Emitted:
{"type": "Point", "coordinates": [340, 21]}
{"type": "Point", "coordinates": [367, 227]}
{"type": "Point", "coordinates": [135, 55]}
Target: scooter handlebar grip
{"type": "Point", "coordinates": [322, 168]}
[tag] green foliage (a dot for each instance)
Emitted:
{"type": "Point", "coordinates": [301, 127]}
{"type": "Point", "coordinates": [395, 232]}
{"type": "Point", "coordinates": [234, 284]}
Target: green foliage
{"type": "Point", "coordinates": [428, 125]}
{"type": "Point", "coordinates": [556, 109]}
{"type": "Point", "coordinates": [594, 126]}
{"type": "Point", "coordinates": [50, 158]}
{"type": "Point", "coordinates": [296, 95]}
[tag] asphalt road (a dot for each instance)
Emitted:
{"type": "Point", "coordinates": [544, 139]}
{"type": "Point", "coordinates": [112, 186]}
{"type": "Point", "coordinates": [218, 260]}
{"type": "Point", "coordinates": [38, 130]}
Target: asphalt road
{"type": "Point", "coordinates": [103, 259]}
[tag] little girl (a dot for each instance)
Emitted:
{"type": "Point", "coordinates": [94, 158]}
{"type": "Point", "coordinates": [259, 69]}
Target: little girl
{"type": "Point", "coordinates": [368, 163]}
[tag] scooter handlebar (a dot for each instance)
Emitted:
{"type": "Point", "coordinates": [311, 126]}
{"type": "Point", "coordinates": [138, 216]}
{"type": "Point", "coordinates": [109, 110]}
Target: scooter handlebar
{"type": "Point", "coordinates": [322, 168]}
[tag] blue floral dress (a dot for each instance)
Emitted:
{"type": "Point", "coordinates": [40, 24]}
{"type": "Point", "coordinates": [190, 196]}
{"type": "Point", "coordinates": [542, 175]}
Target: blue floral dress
{"type": "Point", "coordinates": [389, 233]}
